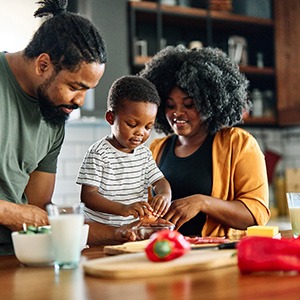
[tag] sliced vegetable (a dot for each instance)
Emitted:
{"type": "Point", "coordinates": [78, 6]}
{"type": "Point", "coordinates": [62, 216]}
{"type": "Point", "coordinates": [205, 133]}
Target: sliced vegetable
{"type": "Point", "coordinates": [257, 254]}
{"type": "Point", "coordinates": [166, 245]}
{"type": "Point", "coordinates": [43, 230]}
{"type": "Point", "coordinates": [30, 229]}
{"type": "Point", "coordinates": [207, 240]}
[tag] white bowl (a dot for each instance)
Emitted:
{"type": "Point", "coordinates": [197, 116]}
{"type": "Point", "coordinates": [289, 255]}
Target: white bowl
{"type": "Point", "coordinates": [36, 249]}
{"type": "Point", "coordinates": [33, 249]}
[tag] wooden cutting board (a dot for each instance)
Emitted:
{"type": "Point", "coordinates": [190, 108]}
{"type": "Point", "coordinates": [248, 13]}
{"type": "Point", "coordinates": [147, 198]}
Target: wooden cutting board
{"type": "Point", "coordinates": [137, 265]}
{"type": "Point", "coordinates": [139, 246]}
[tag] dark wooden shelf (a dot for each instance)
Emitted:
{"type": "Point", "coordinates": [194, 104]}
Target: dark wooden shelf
{"type": "Point", "coordinates": [140, 61]}
{"type": "Point", "coordinates": [191, 12]}
{"type": "Point", "coordinates": [253, 70]}
{"type": "Point", "coordinates": [269, 121]}
{"type": "Point", "coordinates": [265, 35]}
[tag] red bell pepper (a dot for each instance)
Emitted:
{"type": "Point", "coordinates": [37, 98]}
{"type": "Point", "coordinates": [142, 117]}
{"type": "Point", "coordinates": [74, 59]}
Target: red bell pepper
{"type": "Point", "coordinates": [166, 245]}
{"type": "Point", "coordinates": [256, 254]}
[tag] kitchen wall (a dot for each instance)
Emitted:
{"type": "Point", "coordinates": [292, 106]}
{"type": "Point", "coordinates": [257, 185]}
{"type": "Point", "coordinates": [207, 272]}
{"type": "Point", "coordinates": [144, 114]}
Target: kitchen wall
{"type": "Point", "coordinates": [110, 16]}
{"type": "Point", "coordinates": [17, 23]}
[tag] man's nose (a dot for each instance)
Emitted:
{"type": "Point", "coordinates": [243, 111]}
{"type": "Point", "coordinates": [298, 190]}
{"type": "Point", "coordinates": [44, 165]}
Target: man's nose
{"type": "Point", "coordinates": [79, 98]}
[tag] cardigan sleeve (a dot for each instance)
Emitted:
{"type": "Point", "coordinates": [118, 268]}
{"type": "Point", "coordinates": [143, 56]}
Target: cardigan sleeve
{"type": "Point", "coordinates": [156, 146]}
{"type": "Point", "coordinates": [239, 173]}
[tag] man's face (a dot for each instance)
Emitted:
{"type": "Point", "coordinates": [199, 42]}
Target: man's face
{"type": "Point", "coordinates": [64, 91]}
{"type": "Point", "coordinates": [51, 113]}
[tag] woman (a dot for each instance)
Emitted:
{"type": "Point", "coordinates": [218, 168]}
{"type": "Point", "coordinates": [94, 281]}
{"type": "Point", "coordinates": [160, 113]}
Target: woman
{"type": "Point", "coordinates": [217, 172]}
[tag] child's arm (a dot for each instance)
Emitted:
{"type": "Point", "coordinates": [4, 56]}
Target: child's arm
{"type": "Point", "coordinates": [162, 200]}
{"type": "Point", "coordinates": [92, 199]}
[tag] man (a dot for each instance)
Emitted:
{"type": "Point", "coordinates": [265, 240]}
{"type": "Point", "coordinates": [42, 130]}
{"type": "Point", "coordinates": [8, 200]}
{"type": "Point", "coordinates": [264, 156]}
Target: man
{"type": "Point", "coordinates": [39, 88]}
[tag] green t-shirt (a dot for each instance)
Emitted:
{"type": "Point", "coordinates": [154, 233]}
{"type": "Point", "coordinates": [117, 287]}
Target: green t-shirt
{"type": "Point", "coordinates": [27, 142]}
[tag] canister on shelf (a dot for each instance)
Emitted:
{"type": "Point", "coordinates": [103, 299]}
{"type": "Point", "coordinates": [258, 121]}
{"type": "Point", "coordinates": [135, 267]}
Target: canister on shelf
{"type": "Point", "coordinates": [280, 196]}
{"type": "Point", "coordinates": [257, 101]}
{"type": "Point", "coordinates": [269, 103]}
{"type": "Point", "coordinates": [141, 48]}
{"type": "Point", "coordinates": [259, 59]}
{"type": "Point", "coordinates": [195, 44]}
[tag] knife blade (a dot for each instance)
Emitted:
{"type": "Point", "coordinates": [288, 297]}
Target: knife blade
{"type": "Point", "coordinates": [231, 245]}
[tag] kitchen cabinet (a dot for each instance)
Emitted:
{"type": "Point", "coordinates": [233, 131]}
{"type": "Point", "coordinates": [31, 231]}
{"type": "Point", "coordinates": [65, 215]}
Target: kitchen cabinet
{"type": "Point", "coordinates": [152, 26]}
{"type": "Point", "coordinates": [287, 53]}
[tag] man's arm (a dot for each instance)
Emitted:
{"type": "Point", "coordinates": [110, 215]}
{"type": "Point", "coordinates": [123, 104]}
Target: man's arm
{"type": "Point", "coordinates": [40, 188]}
{"type": "Point", "coordinates": [39, 192]}
{"type": "Point", "coordinates": [102, 234]}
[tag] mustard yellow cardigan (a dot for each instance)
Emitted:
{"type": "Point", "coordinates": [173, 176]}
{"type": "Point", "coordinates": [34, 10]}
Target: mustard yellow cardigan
{"type": "Point", "coordinates": [239, 173]}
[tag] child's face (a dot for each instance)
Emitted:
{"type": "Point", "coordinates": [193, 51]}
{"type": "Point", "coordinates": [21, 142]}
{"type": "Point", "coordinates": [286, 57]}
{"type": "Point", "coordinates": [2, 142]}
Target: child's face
{"type": "Point", "coordinates": [131, 126]}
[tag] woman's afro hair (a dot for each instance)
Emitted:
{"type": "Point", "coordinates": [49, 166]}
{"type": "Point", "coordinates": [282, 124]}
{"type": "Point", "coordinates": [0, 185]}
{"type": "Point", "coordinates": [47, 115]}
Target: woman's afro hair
{"type": "Point", "coordinates": [208, 76]}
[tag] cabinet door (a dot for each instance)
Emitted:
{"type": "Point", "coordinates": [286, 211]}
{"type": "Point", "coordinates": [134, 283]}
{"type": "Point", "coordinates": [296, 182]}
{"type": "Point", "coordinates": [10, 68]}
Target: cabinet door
{"type": "Point", "coordinates": [287, 52]}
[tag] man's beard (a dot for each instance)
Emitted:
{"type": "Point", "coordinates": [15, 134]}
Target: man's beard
{"type": "Point", "coordinates": [51, 113]}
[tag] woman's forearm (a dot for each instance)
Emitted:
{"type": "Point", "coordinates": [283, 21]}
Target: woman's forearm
{"type": "Point", "coordinates": [229, 213]}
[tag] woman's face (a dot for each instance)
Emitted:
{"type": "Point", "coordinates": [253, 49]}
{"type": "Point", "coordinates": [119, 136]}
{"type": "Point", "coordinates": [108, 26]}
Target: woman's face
{"type": "Point", "coordinates": [181, 113]}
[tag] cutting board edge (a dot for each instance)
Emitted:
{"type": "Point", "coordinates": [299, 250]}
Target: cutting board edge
{"type": "Point", "coordinates": [90, 269]}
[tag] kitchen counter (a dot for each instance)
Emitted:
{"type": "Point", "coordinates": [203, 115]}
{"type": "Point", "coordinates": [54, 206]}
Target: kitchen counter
{"type": "Point", "coordinates": [20, 282]}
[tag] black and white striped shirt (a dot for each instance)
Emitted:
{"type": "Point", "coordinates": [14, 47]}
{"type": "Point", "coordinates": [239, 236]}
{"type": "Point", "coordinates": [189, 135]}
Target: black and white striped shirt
{"type": "Point", "coordinates": [119, 176]}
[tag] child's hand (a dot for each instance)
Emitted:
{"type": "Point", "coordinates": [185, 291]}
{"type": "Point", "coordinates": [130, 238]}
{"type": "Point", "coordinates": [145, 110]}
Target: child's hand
{"type": "Point", "coordinates": [137, 209]}
{"type": "Point", "coordinates": [160, 205]}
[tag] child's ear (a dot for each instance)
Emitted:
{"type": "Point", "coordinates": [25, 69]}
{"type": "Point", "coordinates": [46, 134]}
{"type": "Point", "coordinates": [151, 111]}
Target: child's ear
{"type": "Point", "coordinates": [110, 117]}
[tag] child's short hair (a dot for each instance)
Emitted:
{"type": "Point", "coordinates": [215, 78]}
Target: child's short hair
{"type": "Point", "coordinates": [132, 88]}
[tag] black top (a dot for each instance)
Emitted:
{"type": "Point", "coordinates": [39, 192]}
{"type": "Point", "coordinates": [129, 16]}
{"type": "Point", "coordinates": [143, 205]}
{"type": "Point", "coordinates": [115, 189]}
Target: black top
{"type": "Point", "coordinates": [188, 176]}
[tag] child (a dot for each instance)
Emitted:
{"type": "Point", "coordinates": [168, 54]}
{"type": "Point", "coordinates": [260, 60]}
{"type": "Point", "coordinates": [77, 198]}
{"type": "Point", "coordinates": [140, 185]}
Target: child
{"type": "Point", "coordinates": [118, 169]}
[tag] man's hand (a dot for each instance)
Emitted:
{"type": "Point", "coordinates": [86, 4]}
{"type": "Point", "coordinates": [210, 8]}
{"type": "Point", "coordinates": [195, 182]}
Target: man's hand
{"type": "Point", "coordinates": [14, 215]}
{"type": "Point", "coordinates": [125, 233]}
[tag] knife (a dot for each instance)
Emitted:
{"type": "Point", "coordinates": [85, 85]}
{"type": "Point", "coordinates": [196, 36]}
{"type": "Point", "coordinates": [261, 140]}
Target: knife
{"type": "Point", "coordinates": [231, 245]}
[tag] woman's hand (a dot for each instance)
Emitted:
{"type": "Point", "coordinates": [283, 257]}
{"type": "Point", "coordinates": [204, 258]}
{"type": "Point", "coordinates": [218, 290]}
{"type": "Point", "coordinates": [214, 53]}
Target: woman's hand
{"type": "Point", "coordinates": [182, 210]}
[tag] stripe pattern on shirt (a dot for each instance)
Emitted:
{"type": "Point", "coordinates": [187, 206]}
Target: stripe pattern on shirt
{"type": "Point", "coordinates": [119, 176]}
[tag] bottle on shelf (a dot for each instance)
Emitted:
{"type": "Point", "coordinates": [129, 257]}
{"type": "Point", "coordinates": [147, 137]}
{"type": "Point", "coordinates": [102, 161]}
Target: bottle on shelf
{"type": "Point", "coordinates": [257, 101]}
